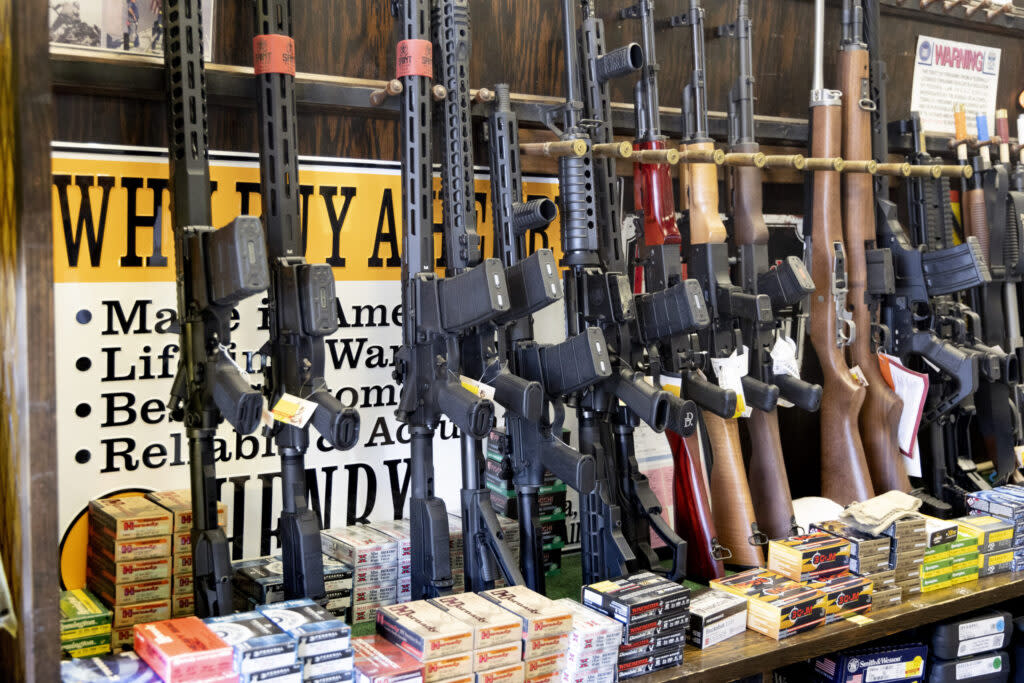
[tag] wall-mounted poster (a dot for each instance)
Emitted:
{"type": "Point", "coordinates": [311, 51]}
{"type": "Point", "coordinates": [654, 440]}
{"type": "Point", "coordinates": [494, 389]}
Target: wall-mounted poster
{"type": "Point", "coordinates": [134, 26]}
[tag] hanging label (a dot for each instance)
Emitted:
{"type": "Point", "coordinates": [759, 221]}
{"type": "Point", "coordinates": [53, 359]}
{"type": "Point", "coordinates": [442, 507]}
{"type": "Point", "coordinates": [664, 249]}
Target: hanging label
{"type": "Point", "coordinates": [243, 373]}
{"type": "Point", "coordinates": [273, 54]}
{"type": "Point", "coordinates": [912, 388]}
{"type": "Point", "coordinates": [484, 391]}
{"type": "Point", "coordinates": [670, 383]}
{"type": "Point", "coordinates": [415, 58]}
{"type": "Point", "coordinates": [730, 373]}
{"type": "Point", "coordinates": [293, 410]}
{"type": "Point", "coordinates": [858, 375]}
{"type": "Point", "coordinates": [8, 621]}
{"type": "Point", "coordinates": [1018, 451]}
{"type": "Point", "coordinates": [784, 361]}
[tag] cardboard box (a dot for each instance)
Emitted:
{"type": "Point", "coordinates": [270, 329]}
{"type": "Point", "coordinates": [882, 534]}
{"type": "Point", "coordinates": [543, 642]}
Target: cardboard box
{"type": "Point", "coordinates": [542, 646]}
{"type": "Point", "coordinates": [181, 650]}
{"type": "Point", "coordinates": [181, 584]}
{"type": "Point", "coordinates": [452, 666]}
{"type": "Point", "coordinates": [993, 534]}
{"type": "Point", "coordinates": [910, 588]}
{"type": "Point", "coordinates": [179, 503]}
{"type": "Point", "coordinates": [591, 630]}
{"type": "Point", "coordinates": [284, 674]}
{"type": "Point", "coordinates": [328, 663]}
{"type": "Point", "coordinates": [792, 611]}
{"type": "Point", "coordinates": [656, 629]}
{"type": "Point", "coordinates": [121, 637]}
{"type": "Point", "coordinates": [366, 613]}
{"type": "Point", "coordinates": [938, 582]}
{"type": "Point", "coordinates": [911, 525]}
{"type": "Point", "coordinates": [133, 571]}
{"type": "Point", "coordinates": [497, 656]}
{"type": "Point", "coordinates": [181, 564]}
{"type": "Point", "coordinates": [359, 545]}
{"type": "Point", "coordinates": [886, 597]}
{"type": "Point", "coordinates": [128, 517]}
{"type": "Point", "coordinates": [995, 562]}
{"type": "Point", "coordinates": [541, 666]}
{"type": "Point", "coordinates": [810, 557]}
{"type": "Point", "coordinates": [751, 582]}
{"type": "Point", "coordinates": [399, 530]}
{"type": "Point", "coordinates": [869, 564]}
{"type": "Point", "coordinates": [258, 644]}
{"type": "Point", "coordinates": [80, 611]}
{"type": "Point", "coordinates": [653, 661]}
{"type": "Point", "coordinates": [591, 660]}
{"type": "Point", "coordinates": [315, 629]}
{"type": "Point", "coordinates": [900, 663]}
{"type": "Point", "coordinates": [129, 615]}
{"type": "Point", "coordinates": [111, 550]}
{"type": "Point", "coordinates": [513, 673]}
{"type": "Point", "coordinates": [939, 531]}
{"type": "Point", "coordinates": [381, 593]}
{"type": "Point", "coordinates": [935, 568]}
{"type": "Point", "coordinates": [425, 631]}
{"type": "Point", "coordinates": [964, 576]}
{"type": "Point", "coordinates": [183, 606]}
{"type": "Point", "coordinates": [845, 596]}
{"type": "Point", "coordinates": [88, 646]}
{"type": "Point", "coordinates": [882, 580]}
{"type": "Point", "coordinates": [131, 593]}
{"type": "Point", "coordinates": [262, 578]}
{"type": "Point", "coordinates": [492, 625]}
{"type": "Point", "coordinates": [538, 615]}
{"type": "Point", "coordinates": [379, 661]}
{"type": "Point", "coordinates": [654, 642]}
{"type": "Point", "coordinates": [181, 542]}
{"type": "Point", "coordinates": [637, 598]}
{"type": "Point", "coordinates": [861, 542]}
{"type": "Point", "coordinates": [126, 667]}
{"type": "Point", "coordinates": [375, 574]}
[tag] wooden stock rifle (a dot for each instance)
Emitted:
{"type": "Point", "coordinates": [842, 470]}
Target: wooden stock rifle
{"type": "Point", "coordinates": [844, 471]}
{"type": "Point", "coordinates": [786, 283]}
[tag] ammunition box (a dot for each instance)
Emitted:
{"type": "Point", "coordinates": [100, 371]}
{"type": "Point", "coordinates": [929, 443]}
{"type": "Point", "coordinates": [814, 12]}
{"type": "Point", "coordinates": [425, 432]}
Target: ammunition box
{"type": "Point", "coordinates": [653, 661]}
{"type": "Point", "coordinates": [751, 582]}
{"type": "Point", "coordinates": [513, 673]}
{"type": "Point", "coordinates": [375, 574]}
{"type": "Point", "coordinates": [542, 646]}
{"type": "Point", "coordinates": [315, 629]}
{"type": "Point", "coordinates": [491, 624]}
{"type": "Point", "coordinates": [132, 593]}
{"type": "Point", "coordinates": [591, 660]}
{"type": "Point", "coordinates": [257, 642]}
{"type": "Point", "coordinates": [128, 517]}
{"type": "Point", "coordinates": [936, 568]}
{"type": "Point", "coordinates": [538, 615]}
{"type": "Point", "coordinates": [934, 583]}
{"type": "Point", "coordinates": [262, 578]}
{"type": "Point", "coordinates": [995, 563]}
{"type": "Point", "coordinates": [132, 571]}
{"type": "Point", "coordinates": [128, 615]}
{"type": "Point", "coordinates": [425, 631]}
{"type": "Point", "coordinates": [366, 613]}
{"type": "Point", "coordinates": [129, 550]}
{"type": "Point", "coordinates": [591, 630]}
{"type": "Point", "coordinates": [181, 584]}
{"type": "Point", "coordinates": [810, 557]}
{"type": "Point", "coordinates": [179, 503]}
{"type": "Point", "coordinates": [386, 593]}
{"type": "Point", "coordinates": [898, 663]}
{"type": "Point", "coordinates": [939, 531]}
{"type": "Point", "coordinates": [292, 674]}
{"type": "Point", "coordinates": [637, 598]}
{"type": "Point", "coordinates": [121, 637]}
{"type": "Point", "coordinates": [963, 576]}
{"type": "Point", "coordinates": [181, 542]}
{"type": "Point", "coordinates": [907, 526]}
{"type": "Point", "coordinates": [359, 545]}
{"type": "Point", "coordinates": [541, 666]}
{"type": "Point", "coordinates": [911, 588]}
{"type": "Point", "coordinates": [882, 580]}
{"type": "Point", "coordinates": [869, 564]}
{"type": "Point", "coordinates": [938, 552]}
{"type": "Point", "coordinates": [991, 630]}
{"type": "Point", "coordinates": [496, 656]}
{"type": "Point", "coordinates": [845, 596]}
{"type": "Point", "coordinates": [399, 530]}
{"type": "Point", "coordinates": [87, 647]}
{"type": "Point", "coordinates": [861, 542]}
{"type": "Point", "coordinates": [80, 609]}
{"type": "Point", "coordinates": [447, 667]}
{"type": "Point", "coordinates": [787, 613]}
{"type": "Point", "coordinates": [999, 502]}
{"type": "Point", "coordinates": [886, 597]}
{"type": "Point", "coordinates": [993, 534]}
{"type": "Point", "coordinates": [653, 642]}
{"type": "Point", "coordinates": [182, 606]}
{"type": "Point", "coordinates": [183, 650]}
{"type": "Point", "coordinates": [467, 678]}
{"type": "Point", "coordinates": [326, 663]}
{"type": "Point", "coordinates": [181, 564]}
{"type": "Point", "coordinates": [964, 562]}
{"type": "Point", "coordinates": [378, 661]}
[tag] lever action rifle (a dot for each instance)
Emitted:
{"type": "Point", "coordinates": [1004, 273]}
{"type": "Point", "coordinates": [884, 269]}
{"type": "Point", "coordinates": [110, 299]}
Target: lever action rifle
{"type": "Point", "coordinates": [564, 368]}
{"type": "Point", "coordinates": [673, 309]}
{"type": "Point", "coordinates": [215, 270]}
{"type": "Point", "coordinates": [880, 415]}
{"type": "Point", "coordinates": [786, 283]}
{"type": "Point", "coordinates": [673, 345]}
{"type": "Point", "coordinates": [844, 470]}
{"type": "Point", "coordinates": [707, 260]}
{"type": "Point", "coordinates": [301, 304]}
{"type": "Point", "coordinates": [436, 312]}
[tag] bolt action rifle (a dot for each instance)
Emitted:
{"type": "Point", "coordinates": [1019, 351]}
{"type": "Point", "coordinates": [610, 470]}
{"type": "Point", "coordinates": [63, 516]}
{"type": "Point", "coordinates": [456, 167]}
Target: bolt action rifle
{"type": "Point", "coordinates": [437, 311]}
{"type": "Point", "coordinates": [301, 304]}
{"type": "Point", "coordinates": [673, 309]}
{"type": "Point", "coordinates": [844, 471]}
{"type": "Point", "coordinates": [707, 260]}
{"type": "Point", "coordinates": [786, 283]}
{"type": "Point", "coordinates": [215, 270]}
{"type": "Point", "coordinates": [869, 268]}
{"type": "Point", "coordinates": [564, 368]}
{"type": "Point", "coordinates": [673, 350]}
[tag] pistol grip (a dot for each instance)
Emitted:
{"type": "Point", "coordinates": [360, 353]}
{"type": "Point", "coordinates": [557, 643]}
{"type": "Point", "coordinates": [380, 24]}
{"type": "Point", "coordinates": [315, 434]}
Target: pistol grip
{"type": "Point", "coordinates": [798, 392]}
{"type": "Point", "coordinates": [336, 423]}
{"type": "Point", "coordinates": [762, 396]}
{"type": "Point", "coordinates": [646, 402]}
{"type": "Point", "coordinates": [239, 403]}
{"type": "Point", "coordinates": [721, 402]}
{"type": "Point", "coordinates": [519, 395]}
{"type": "Point", "coordinates": [470, 413]}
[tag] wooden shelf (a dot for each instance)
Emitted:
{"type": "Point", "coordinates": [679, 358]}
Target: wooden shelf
{"type": "Point", "coordinates": [751, 653]}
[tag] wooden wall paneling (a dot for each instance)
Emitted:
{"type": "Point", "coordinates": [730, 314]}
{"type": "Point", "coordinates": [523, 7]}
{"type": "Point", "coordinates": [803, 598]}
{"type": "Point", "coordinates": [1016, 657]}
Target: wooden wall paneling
{"type": "Point", "coordinates": [28, 482]}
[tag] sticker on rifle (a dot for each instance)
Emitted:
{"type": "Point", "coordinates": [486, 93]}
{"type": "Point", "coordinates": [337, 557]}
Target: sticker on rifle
{"type": "Point", "coordinates": [273, 54]}
{"type": "Point", "coordinates": [858, 375]}
{"type": "Point", "coordinates": [293, 410]}
{"type": "Point", "coordinates": [730, 373]}
{"type": "Point", "coordinates": [484, 391]}
{"type": "Point", "coordinates": [243, 373]}
{"type": "Point", "coordinates": [784, 361]}
{"type": "Point", "coordinates": [415, 58]}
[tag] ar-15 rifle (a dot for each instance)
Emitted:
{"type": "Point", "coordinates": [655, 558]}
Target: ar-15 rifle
{"type": "Point", "coordinates": [437, 312]}
{"type": "Point", "coordinates": [844, 470]}
{"type": "Point", "coordinates": [564, 368]}
{"type": "Point", "coordinates": [673, 348]}
{"type": "Point", "coordinates": [215, 269]}
{"type": "Point", "coordinates": [675, 308]}
{"type": "Point", "coordinates": [879, 417]}
{"type": "Point", "coordinates": [707, 261]}
{"type": "Point", "coordinates": [301, 304]}
{"type": "Point", "coordinates": [786, 283]}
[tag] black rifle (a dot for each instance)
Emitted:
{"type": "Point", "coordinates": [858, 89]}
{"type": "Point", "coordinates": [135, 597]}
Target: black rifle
{"type": "Point", "coordinates": [564, 368]}
{"type": "Point", "coordinates": [215, 269]}
{"type": "Point", "coordinates": [436, 313]}
{"type": "Point", "coordinates": [301, 303]}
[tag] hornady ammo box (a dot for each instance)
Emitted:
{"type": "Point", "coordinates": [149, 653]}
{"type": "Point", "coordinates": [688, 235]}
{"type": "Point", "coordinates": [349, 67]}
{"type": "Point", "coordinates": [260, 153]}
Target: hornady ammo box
{"type": "Point", "coordinates": [879, 665]}
{"type": "Point", "coordinates": [315, 629]}
{"type": "Point", "coordinates": [128, 615]}
{"type": "Point", "coordinates": [181, 650]}
{"type": "Point", "coordinates": [982, 633]}
{"type": "Point", "coordinates": [538, 615]}
{"type": "Point", "coordinates": [424, 630]}
{"type": "Point", "coordinates": [104, 568]}
{"type": "Point", "coordinates": [491, 624]}
{"type": "Point", "coordinates": [992, 667]}
{"type": "Point", "coordinates": [639, 598]}
{"type": "Point", "coordinates": [715, 616]}
{"type": "Point", "coordinates": [993, 534]}
{"type": "Point", "coordinates": [845, 596]}
{"type": "Point", "coordinates": [126, 667]}
{"type": "Point", "coordinates": [179, 503]}
{"type": "Point", "coordinates": [786, 613]}
{"type": "Point", "coordinates": [128, 517]}
{"type": "Point", "coordinates": [257, 642]}
{"type": "Point", "coordinates": [379, 661]}
{"type": "Point", "coordinates": [542, 646]}
{"type": "Point", "coordinates": [861, 542]}
{"type": "Point", "coordinates": [513, 673]}
{"type": "Point", "coordinates": [810, 557]}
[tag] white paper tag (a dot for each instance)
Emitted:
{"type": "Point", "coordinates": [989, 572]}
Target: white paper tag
{"type": "Point", "coordinates": [8, 621]}
{"type": "Point", "coordinates": [979, 667]}
{"type": "Point", "coordinates": [485, 391]}
{"type": "Point", "coordinates": [293, 410]}
{"type": "Point", "coordinates": [784, 361]}
{"type": "Point", "coordinates": [858, 375]}
{"type": "Point", "coordinates": [730, 373]}
{"type": "Point", "coordinates": [912, 388]}
{"type": "Point", "coordinates": [241, 371]}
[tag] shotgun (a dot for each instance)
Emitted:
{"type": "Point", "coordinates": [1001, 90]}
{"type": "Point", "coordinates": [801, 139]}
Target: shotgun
{"type": "Point", "coordinates": [785, 283]}
{"type": "Point", "coordinates": [301, 304]}
{"type": "Point", "coordinates": [215, 270]}
{"type": "Point", "coordinates": [707, 260]}
{"type": "Point", "coordinates": [880, 415]}
{"type": "Point", "coordinates": [564, 368]}
{"type": "Point", "coordinates": [438, 311]}
{"type": "Point", "coordinates": [672, 347]}
{"type": "Point", "coordinates": [844, 471]}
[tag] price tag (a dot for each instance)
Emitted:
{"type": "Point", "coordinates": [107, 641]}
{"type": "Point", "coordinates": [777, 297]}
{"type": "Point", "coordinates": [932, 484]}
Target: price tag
{"type": "Point", "coordinates": [730, 373]}
{"type": "Point", "coordinates": [784, 361]}
{"type": "Point", "coordinates": [484, 391]}
{"type": "Point", "coordinates": [859, 619]}
{"type": "Point", "coordinates": [1019, 452]}
{"type": "Point", "coordinates": [293, 410]}
{"type": "Point", "coordinates": [673, 385]}
{"type": "Point", "coordinates": [858, 375]}
{"type": "Point", "coordinates": [243, 373]}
